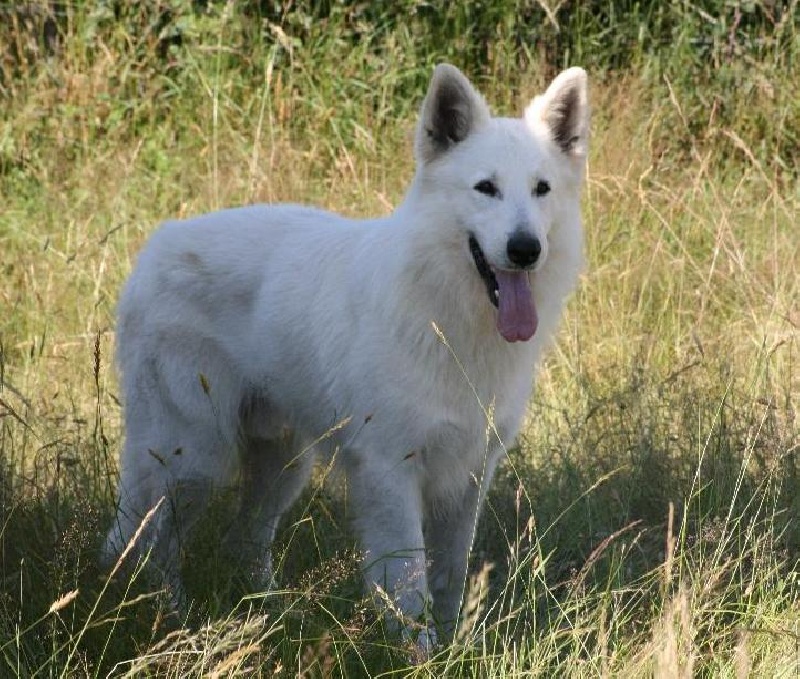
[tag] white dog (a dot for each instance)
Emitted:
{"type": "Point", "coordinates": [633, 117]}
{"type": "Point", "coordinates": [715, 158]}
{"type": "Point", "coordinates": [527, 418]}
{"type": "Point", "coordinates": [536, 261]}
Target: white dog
{"type": "Point", "coordinates": [249, 334]}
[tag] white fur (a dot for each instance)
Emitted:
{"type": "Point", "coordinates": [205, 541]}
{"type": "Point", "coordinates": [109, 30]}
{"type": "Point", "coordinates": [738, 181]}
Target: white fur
{"type": "Point", "coordinates": [247, 334]}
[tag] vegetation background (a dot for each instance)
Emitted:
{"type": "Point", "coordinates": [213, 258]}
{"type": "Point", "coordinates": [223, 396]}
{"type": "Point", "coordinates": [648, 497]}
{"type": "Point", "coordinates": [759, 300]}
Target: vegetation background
{"type": "Point", "coordinates": [646, 523]}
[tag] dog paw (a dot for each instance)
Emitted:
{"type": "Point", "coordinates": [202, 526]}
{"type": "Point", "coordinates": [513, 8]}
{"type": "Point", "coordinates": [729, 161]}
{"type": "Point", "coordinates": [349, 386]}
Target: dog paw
{"type": "Point", "coordinates": [420, 643]}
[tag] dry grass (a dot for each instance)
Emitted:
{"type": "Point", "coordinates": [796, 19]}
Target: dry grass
{"type": "Point", "coordinates": [673, 383]}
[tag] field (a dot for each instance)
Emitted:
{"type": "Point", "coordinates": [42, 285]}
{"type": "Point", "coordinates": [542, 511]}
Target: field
{"type": "Point", "coordinates": [646, 522]}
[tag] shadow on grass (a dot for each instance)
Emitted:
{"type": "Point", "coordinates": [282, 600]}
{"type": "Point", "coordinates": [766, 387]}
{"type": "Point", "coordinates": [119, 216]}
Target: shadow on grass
{"type": "Point", "coordinates": [579, 514]}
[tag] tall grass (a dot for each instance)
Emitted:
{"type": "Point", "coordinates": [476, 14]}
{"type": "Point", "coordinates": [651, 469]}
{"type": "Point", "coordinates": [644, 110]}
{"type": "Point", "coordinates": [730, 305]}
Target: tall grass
{"type": "Point", "coordinates": [646, 521]}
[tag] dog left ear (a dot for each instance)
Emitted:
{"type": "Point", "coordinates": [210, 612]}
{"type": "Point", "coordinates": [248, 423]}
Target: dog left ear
{"type": "Point", "coordinates": [452, 110]}
{"type": "Point", "coordinates": [564, 110]}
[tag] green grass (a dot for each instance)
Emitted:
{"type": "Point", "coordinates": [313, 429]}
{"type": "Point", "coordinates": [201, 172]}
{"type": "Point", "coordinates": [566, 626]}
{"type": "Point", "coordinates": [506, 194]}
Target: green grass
{"type": "Point", "coordinates": [647, 520]}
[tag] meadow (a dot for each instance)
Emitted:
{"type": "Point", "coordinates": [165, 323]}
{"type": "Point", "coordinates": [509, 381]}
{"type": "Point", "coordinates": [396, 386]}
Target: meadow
{"type": "Point", "coordinates": [646, 520]}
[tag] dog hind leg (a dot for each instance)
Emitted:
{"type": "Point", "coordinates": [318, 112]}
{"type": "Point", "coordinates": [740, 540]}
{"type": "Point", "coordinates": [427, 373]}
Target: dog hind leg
{"type": "Point", "coordinates": [274, 473]}
{"type": "Point", "coordinates": [179, 446]}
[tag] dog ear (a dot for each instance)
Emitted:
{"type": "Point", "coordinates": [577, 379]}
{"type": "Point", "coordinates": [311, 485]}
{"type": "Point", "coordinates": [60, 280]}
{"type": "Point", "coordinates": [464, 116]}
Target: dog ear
{"type": "Point", "coordinates": [452, 110]}
{"type": "Point", "coordinates": [564, 110]}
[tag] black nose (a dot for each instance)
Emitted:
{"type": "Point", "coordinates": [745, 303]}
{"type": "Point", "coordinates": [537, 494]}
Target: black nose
{"type": "Point", "coordinates": [523, 249]}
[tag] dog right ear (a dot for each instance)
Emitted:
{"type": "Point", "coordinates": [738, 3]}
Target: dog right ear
{"type": "Point", "coordinates": [564, 111]}
{"type": "Point", "coordinates": [452, 110]}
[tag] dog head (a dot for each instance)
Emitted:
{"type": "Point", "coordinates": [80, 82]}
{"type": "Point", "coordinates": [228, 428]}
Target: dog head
{"type": "Point", "coordinates": [504, 187]}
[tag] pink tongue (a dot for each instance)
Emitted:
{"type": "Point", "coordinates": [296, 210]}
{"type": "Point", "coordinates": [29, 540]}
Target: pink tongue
{"type": "Point", "coordinates": [517, 319]}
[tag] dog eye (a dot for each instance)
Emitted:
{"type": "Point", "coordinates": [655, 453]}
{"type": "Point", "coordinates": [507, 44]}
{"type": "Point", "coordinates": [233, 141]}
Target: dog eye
{"type": "Point", "coordinates": [542, 188]}
{"type": "Point", "coordinates": [488, 188]}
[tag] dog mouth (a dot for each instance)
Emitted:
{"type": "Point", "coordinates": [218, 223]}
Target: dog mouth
{"type": "Point", "coordinates": [510, 293]}
{"type": "Point", "coordinates": [489, 279]}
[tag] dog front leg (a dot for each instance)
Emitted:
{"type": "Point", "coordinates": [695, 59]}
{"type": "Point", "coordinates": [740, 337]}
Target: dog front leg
{"type": "Point", "coordinates": [449, 534]}
{"type": "Point", "coordinates": [387, 515]}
